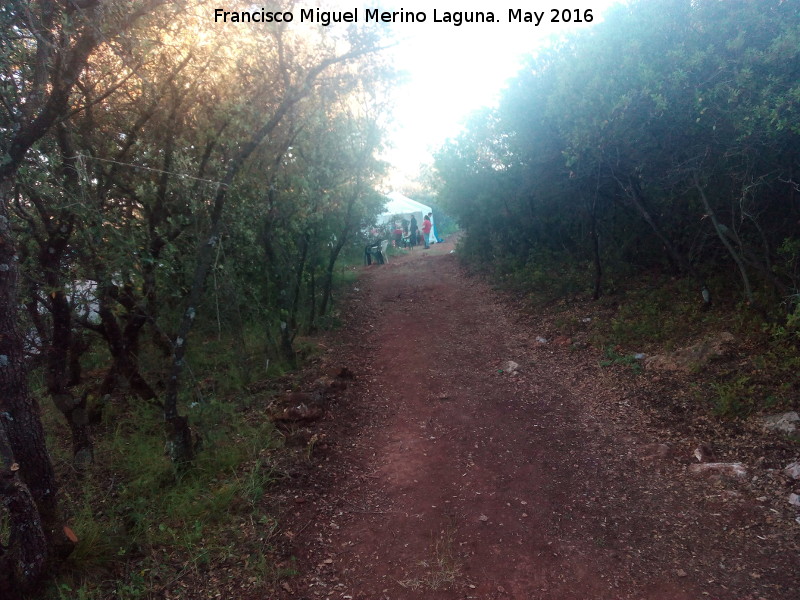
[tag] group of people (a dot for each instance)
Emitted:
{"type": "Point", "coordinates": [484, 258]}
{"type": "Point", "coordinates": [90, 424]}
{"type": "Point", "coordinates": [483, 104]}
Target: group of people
{"type": "Point", "coordinates": [405, 234]}
{"type": "Point", "coordinates": [413, 234]}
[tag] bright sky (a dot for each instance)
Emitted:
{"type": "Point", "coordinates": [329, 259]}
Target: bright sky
{"type": "Point", "coordinates": [452, 71]}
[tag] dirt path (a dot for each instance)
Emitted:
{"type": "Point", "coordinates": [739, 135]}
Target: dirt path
{"type": "Point", "coordinates": [441, 475]}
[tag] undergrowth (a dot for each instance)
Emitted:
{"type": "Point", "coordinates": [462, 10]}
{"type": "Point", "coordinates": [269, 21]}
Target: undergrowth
{"type": "Point", "coordinates": [144, 527]}
{"type": "Point", "coordinates": [612, 357]}
{"type": "Point", "coordinates": [141, 523]}
{"type": "Point", "coordinates": [657, 314]}
{"type": "Point", "coordinates": [768, 380]}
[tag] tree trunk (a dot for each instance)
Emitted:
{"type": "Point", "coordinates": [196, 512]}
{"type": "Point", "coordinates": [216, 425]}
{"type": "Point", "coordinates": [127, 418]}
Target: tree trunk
{"type": "Point", "coordinates": [59, 371]}
{"type": "Point", "coordinates": [298, 282]}
{"type": "Point", "coordinates": [678, 260]}
{"type": "Point", "coordinates": [725, 242]}
{"type": "Point", "coordinates": [327, 284]}
{"type": "Point", "coordinates": [312, 302]}
{"type": "Point", "coordinates": [23, 561]}
{"type": "Point", "coordinates": [123, 343]}
{"type": "Point", "coordinates": [177, 427]}
{"type": "Point", "coordinates": [58, 377]}
{"type": "Point", "coordinates": [26, 472]}
{"type": "Point", "coordinates": [598, 265]}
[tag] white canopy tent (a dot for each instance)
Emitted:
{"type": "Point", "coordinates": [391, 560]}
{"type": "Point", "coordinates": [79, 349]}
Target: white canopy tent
{"type": "Point", "coordinates": [398, 205]}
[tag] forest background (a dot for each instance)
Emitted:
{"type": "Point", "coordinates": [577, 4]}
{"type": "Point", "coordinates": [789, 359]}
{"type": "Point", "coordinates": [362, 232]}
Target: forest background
{"type": "Point", "coordinates": [650, 163]}
{"type": "Point", "coordinates": [166, 181]}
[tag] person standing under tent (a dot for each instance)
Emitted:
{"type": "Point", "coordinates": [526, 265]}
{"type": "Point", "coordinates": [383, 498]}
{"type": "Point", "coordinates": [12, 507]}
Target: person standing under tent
{"type": "Point", "coordinates": [426, 230]}
{"type": "Point", "coordinates": [413, 231]}
{"type": "Point", "coordinates": [398, 234]}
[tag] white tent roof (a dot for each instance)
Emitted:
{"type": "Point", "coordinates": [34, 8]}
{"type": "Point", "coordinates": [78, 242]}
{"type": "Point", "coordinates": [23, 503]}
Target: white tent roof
{"type": "Point", "coordinates": [397, 204]}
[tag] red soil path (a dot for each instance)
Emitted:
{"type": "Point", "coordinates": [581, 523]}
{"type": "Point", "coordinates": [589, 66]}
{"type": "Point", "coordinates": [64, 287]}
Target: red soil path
{"type": "Point", "coordinates": [440, 475]}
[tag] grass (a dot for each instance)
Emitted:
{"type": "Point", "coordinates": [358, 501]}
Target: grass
{"type": "Point", "coordinates": [768, 381]}
{"type": "Point", "coordinates": [443, 568]}
{"type": "Point", "coordinates": [136, 517]}
{"type": "Point", "coordinates": [615, 358]}
{"type": "Point", "coordinates": [143, 526]}
{"type": "Point", "coordinates": [660, 313]}
{"type": "Point", "coordinates": [657, 314]}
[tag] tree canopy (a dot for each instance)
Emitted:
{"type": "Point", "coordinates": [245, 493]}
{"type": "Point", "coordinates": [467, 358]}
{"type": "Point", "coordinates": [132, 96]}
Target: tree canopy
{"type": "Point", "coordinates": [145, 151]}
{"type": "Point", "coordinates": [664, 138]}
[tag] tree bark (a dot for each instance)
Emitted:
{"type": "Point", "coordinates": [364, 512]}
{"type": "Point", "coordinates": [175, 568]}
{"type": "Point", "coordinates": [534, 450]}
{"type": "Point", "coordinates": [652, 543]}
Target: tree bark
{"type": "Point", "coordinates": [595, 237]}
{"type": "Point", "coordinates": [26, 472]}
{"type": "Point", "coordinates": [27, 477]}
{"type": "Point", "coordinates": [725, 242]}
{"type": "Point", "coordinates": [177, 427]}
{"type": "Point", "coordinates": [123, 342]}
{"type": "Point", "coordinates": [60, 351]}
{"type": "Point", "coordinates": [598, 265]}
{"type": "Point", "coordinates": [327, 284]}
{"type": "Point", "coordinates": [23, 561]}
{"type": "Point", "coordinates": [678, 260]}
{"type": "Point", "coordinates": [312, 302]}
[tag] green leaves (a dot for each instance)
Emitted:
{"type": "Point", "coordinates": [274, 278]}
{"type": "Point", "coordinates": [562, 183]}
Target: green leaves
{"type": "Point", "coordinates": [606, 131]}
